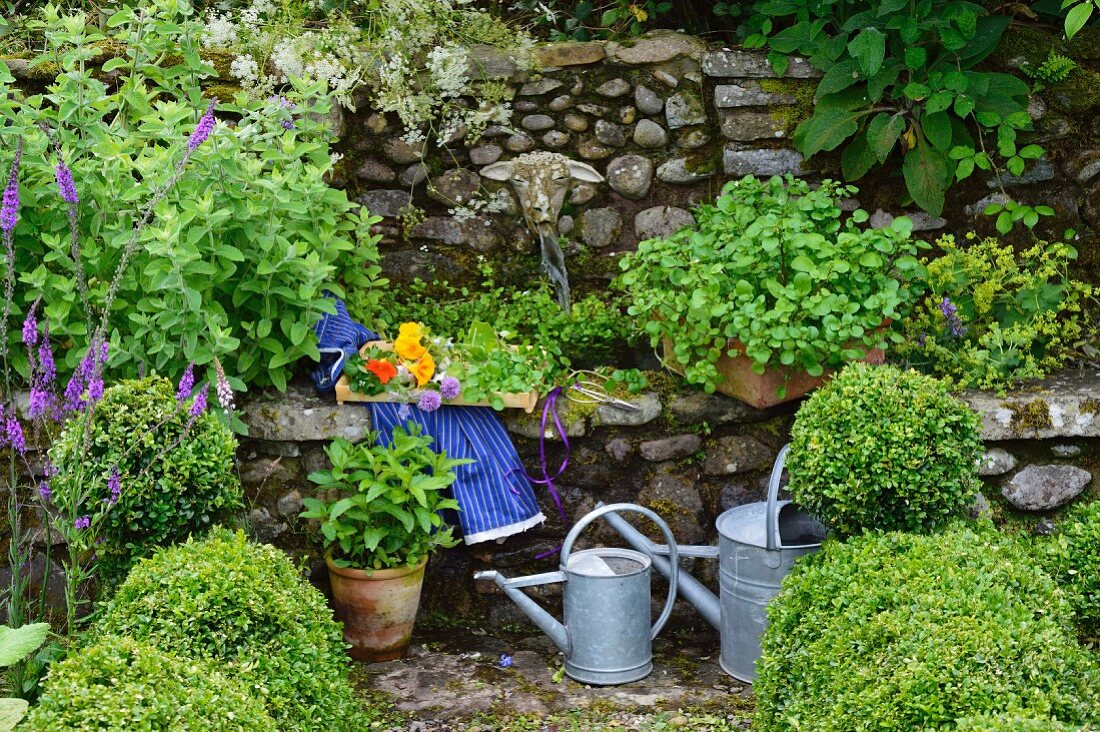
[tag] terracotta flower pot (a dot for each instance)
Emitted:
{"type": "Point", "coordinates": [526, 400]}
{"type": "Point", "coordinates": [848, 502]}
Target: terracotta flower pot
{"type": "Point", "coordinates": [762, 390]}
{"type": "Point", "coordinates": [377, 608]}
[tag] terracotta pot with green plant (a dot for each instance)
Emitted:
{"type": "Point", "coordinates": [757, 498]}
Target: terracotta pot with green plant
{"type": "Point", "coordinates": [380, 522]}
{"type": "Point", "coordinates": [773, 289]}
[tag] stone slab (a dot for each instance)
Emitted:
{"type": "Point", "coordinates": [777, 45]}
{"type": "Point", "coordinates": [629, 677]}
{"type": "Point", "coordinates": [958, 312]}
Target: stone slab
{"type": "Point", "coordinates": [1065, 405]}
{"type": "Point", "coordinates": [302, 416]}
{"type": "Point", "coordinates": [737, 64]}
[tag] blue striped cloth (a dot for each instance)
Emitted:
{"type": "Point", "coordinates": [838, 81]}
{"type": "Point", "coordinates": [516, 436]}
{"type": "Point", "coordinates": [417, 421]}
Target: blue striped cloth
{"type": "Point", "coordinates": [495, 497]}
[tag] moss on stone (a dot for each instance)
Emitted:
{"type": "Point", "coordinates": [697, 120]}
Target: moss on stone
{"type": "Point", "coordinates": [1078, 93]}
{"type": "Point", "coordinates": [1090, 406]}
{"type": "Point", "coordinates": [791, 115]}
{"type": "Point", "coordinates": [1030, 416]}
{"type": "Point", "coordinates": [1023, 42]}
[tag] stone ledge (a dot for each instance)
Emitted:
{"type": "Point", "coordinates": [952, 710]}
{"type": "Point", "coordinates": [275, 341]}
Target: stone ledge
{"type": "Point", "coordinates": [739, 64]}
{"type": "Point", "coordinates": [1065, 405]}
{"type": "Point", "coordinates": [300, 415]}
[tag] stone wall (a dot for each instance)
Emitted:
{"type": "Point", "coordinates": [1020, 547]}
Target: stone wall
{"type": "Point", "coordinates": [668, 119]}
{"type": "Point", "coordinates": [686, 454]}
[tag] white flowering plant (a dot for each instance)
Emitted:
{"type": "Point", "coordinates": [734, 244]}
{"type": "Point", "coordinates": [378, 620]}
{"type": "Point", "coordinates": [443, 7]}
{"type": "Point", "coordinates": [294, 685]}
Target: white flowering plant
{"type": "Point", "coordinates": [414, 57]}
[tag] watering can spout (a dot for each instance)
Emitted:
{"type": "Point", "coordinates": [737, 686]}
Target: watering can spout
{"type": "Point", "coordinates": [691, 589]}
{"type": "Point", "coordinates": [544, 620]}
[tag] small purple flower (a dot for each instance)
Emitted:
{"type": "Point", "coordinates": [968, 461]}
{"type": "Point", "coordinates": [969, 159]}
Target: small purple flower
{"type": "Point", "coordinates": [83, 522]}
{"type": "Point", "coordinates": [449, 387]}
{"type": "Point", "coordinates": [88, 377]}
{"type": "Point", "coordinates": [66, 185]}
{"type": "Point", "coordinates": [47, 371]}
{"type": "Point", "coordinates": [95, 390]}
{"type": "Point", "coordinates": [198, 404]}
{"type": "Point", "coordinates": [44, 491]}
{"type": "Point", "coordinates": [30, 327]}
{"type": "Point", "coordinates": [39, 403]}
{"type": "Point", "coordinates": [430, 401]}
{"type": "Point", "coordinates": [505, 660]}
{"type": "Point", "coordinates": [288, 124]}
{"type": "Point", "coordinates": [222, 388]}
{"type": "Point", "coordinates": [186, 385]}
{"type": "Point", "coordinates": [922, 340]}
{"type": "Point", "coordinates": [9, 207]}
{"type": "Point", "coordinates": [950, 314]}
{"type": "Point", "coordinates": [203, 128]}
{"type": "Point", "coordinates": [114, 484]}
{"type": "Point", "coordinates": [404, 411]}
{"type": "Point", "coordinates": [14, 435]}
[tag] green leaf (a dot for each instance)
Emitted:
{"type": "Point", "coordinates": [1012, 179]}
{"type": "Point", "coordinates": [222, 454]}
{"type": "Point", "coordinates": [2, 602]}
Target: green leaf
{"type": "Point", "coordinates": [916, 91]}
{"type": "Point", "coordinates": [1077, 17]}
{"type": "Point", "coordinates": [825, 130]}
{"type": "Point", "coordinates": [915, 57]}
{"type": "Point", "coordinates": [12, 712]}
{"type": "Point", "coordinates": [839, 77]}
{"type": "Point", "coordinates": [857, 158]}
{"type": "Point", "coordinates": [927, 174]}
{"type": "Point", "coordinates": [869, 49]}
{"type": "Point", "coordinates": [18, 643]}
{"type": "Point", "coordinates": [937, 128]}
{"type": "Point", "coordinates": [883, 132]}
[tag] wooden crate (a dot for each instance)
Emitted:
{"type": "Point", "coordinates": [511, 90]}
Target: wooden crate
{"type": "Point", "coordinates": [344, 394]}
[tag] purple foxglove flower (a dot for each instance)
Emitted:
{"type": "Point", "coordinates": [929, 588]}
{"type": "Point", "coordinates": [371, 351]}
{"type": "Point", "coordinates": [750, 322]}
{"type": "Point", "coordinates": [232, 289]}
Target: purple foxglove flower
{"type": "Point", "coordinates": [95, 390]}
{"type": "Point", "coordinates": [47, 371]}
{"type": "Point", "coordinates": [83, 522]}
{"type": "Point", "coordinates": [198, 404]}
{"type": "Point", "coordinates": [15, 437]}
{"type": "Point", "coordinates": [203, 128]}
{"type": "Point", "coordinates": [186, 385]}
{"type": "Point", "coordinates": [449, 387]}
{"type": "Point", "coordinates": [44, 491]}
{"type": "Point", "coordinates": [66, 185]}
{"type": "Point", "coordinates": [39, 403]}
{"type": "Point", "coordinates": [114, 484]}
{"type": "Point", "coordinates": [30, 327]}
{"type": "Point", "coordinates": [430, 401]}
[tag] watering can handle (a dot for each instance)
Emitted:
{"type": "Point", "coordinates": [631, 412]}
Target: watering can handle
{"type": "Point", "coordinates": [771, 530]}
{"type": "Point", "coordinates": [673, 553]}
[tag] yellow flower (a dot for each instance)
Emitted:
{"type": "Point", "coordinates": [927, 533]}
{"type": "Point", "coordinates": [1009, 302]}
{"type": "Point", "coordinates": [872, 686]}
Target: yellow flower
{"type": "Point", "coordinates": [423, 369]}
{"type": "Point", "coordinates": [409, 349]}
{"type": "Point", "coordinates": [640, 14]}
{"type": "Point", "coordinates": [411, 330]}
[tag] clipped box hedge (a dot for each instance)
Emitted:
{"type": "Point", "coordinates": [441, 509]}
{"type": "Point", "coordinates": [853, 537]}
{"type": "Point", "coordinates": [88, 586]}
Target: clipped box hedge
{"type": "Point", "coordinates": [905, 632]}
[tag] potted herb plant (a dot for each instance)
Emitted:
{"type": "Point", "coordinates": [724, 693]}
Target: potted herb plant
{"type": "Point", "coordinates": [380, 522]}
{"type": "Point", "coordinates": [772, 289]}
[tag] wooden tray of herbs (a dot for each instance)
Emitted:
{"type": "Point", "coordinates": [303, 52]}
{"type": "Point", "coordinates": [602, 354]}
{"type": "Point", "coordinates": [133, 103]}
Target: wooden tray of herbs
{"type": "Point", "coordinates": [403, 370]}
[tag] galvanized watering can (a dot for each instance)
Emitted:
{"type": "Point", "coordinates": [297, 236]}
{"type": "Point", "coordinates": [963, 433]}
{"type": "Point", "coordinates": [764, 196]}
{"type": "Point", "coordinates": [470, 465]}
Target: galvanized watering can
{"type": "Point", "coordinates": [757, 546]}
{"type": "Point", "coordinates": [606, 636]}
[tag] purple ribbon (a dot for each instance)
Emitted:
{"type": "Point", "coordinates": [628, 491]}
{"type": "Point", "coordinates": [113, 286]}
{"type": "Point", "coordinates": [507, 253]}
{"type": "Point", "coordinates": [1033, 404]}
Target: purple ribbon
{"type": "Point", "coordinates": [549, 409]}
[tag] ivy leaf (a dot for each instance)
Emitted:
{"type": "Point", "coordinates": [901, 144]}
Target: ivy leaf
{"type": "Point", "coordinates": [883, 133]}
{"type": "Point", "coordinates": [869, 49]}
{"type": "Point", "coordinates": [927, 174]}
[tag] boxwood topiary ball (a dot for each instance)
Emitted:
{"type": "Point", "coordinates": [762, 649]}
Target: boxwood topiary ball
{"type": "Point", "coordinates": [244, 606]}
{"type": "Point", "coordinates": [878, 448]}
{"type": "Point", "coordinates": [898, 632]}
{"type": "Point", "coordinates": [121, 685]}
{"type": "Point", "coordinates": [177, 474]}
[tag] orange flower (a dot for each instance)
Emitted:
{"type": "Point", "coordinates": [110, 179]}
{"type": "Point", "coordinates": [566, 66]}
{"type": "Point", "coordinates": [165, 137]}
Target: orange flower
{"type": "Point", "coordinates": [411, 330]}
{"type": "Point", "coordinates": [423, 369]}
{"type": "Point", "coordinates": [384, 370]}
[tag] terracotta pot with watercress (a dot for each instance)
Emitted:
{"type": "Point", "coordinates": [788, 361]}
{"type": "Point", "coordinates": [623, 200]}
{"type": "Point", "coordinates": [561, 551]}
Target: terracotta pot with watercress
{"type": "Point", "coordinates": [380, 523]}
{"type": "Point", "coordinates": [775, 277]}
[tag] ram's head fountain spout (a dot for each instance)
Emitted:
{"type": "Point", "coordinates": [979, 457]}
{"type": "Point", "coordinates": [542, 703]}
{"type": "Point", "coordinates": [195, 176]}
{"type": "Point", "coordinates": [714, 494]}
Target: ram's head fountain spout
{"type": "Point", "coordinates": [541, 180]}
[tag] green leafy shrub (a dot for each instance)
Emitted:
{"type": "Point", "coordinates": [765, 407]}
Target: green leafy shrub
{"type": "Point", "coordinates": [878, 448]}
{"type": "Point", "coordinates": [775, 266]}
{"type": "Point", "coordinates": [178, 474]}
{"type": "Point", "coordinates": [905, 632]}
{"type": "Point", "coordinates": [240, 250]}
{"type": "Point", "coordinates": [1072, 556]}
{"type": "Point", "coordinates": [902, 75]}
{"type": "Point", "coordinates": [386, 511]}
{"type": "Point", "coordinates": [1012, 723]}
{"type": "Point", "coordinates": [243, 606]}
{"type": "Point", "coordinates": [122, 685]}
{"type": "Point", "coordinates": [992, 316]}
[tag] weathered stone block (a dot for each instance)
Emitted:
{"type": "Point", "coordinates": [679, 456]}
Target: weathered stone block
{"type": "Point", "coordinates": [661, 222]}
{"type": "Point", "coordinates": [683, 109]}
{"type": "Point", "coordinates": [648, 409]}
{"type": "Point", "coordinates": [737, 454]}
{"type": "Point", "coordinates": [569, 53]}
{"type": "Point", "coordinates": [761, 162]}
{"type": "Point", "coordinates": [670, 448]}
{"type": "Point", "coordinates": [630, 176]}
{"type": "Point", "coordinates": [656, 47]}
{"type": "Point", "coordinates": [752, 65]}
{"type": "Point", "coordinates": [746, 126]}
{"type": "Point", "coordinates": [1066, 405]}
{"type": "Point", "coordinates": [748, 93]}
{"type": "Point", "coordinates": [300, 415]}
{"type": "Point", "coordinates": [1045, 487]}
